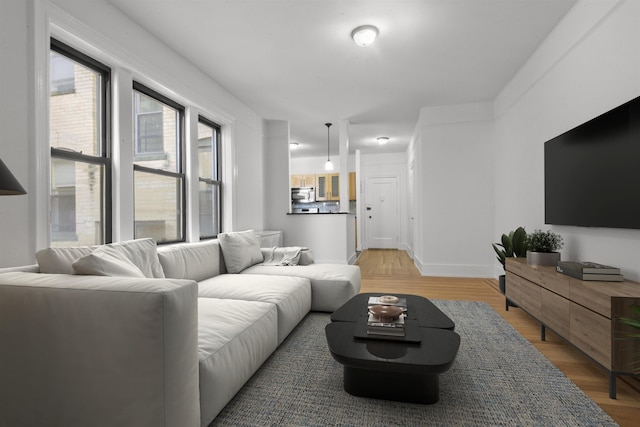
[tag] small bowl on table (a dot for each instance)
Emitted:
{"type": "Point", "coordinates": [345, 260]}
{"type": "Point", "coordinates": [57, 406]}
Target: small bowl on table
{"type": "Point", "coordinates": [386, 313]}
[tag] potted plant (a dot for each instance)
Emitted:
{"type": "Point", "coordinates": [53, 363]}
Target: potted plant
{"type": "Point", "coordinates": [513, 244]}
{"type": "Point", "coordinates": [543, 247]}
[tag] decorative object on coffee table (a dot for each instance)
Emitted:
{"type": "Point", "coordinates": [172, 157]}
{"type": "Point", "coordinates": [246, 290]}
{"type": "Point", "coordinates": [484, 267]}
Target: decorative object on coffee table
{"type": "Point", "coordinates": [386, 320]}
{"type": "Point", "coordinates": [543, 248]}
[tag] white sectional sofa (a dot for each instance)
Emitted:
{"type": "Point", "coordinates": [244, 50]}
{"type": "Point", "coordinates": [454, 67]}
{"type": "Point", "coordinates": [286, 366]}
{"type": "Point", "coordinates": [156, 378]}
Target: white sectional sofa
{"type": "Point", "coordinates": [148, 336]}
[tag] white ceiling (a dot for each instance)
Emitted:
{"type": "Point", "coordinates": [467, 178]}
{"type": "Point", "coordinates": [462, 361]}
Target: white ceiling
{"type": "Point", "coordinates": [294, 59]}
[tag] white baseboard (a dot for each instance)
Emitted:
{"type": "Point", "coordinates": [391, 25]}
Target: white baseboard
{"type": "Point", "coordinates": [455, 270]}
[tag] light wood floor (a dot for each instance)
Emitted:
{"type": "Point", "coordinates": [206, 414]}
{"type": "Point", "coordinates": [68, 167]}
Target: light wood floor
{"type": "Point", "coordinates": [390, 271]}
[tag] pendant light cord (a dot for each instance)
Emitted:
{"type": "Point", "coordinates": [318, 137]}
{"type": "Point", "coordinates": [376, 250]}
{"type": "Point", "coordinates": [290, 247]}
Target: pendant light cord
{"type": "Point", "coordinates": [328, 125]}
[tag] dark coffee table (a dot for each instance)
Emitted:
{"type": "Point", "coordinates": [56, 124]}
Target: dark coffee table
{"type": "Point", "coordinates": [393, 369]}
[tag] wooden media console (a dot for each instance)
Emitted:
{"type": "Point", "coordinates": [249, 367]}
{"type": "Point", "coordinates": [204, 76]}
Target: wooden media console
{"type": "Point", "coordinates": [583, 313]}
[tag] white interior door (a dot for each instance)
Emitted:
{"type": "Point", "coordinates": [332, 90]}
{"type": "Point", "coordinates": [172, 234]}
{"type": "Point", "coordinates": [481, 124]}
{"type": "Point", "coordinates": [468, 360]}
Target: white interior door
{"type": "Point", "coordinates": [382, 213]}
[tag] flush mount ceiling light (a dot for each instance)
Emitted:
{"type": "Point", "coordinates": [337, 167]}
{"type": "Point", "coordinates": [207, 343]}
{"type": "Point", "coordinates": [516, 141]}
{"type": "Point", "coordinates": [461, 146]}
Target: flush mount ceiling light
{"type": "Point", "coordinates": [328, 166]}
{"type": "Point", "coordinates": [383, 140]}
{"type": "Point", "coordinates": [364, 35]}
{"type": "Point", "coordinates": [293, 145]}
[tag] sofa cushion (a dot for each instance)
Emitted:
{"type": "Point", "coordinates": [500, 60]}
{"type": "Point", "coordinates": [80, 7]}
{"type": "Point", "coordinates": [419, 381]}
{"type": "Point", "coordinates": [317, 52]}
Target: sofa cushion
{"type": "Point", "coordinates": [230, 352]}
{"type": "Point", "coordinates": [106, 261]}
{"type": "Point", "coordinates": [291, 295]}
{"type": "Point", "coordinates": [240, 249]}
{"type": "Point", "coordinates": [141, 252]}
{"type": "Point", "coordinates": [59, 260]}
{"type": "Point", "coordinates": [331, 284]}
{"type": "Point", "coordinates": [195, 261]}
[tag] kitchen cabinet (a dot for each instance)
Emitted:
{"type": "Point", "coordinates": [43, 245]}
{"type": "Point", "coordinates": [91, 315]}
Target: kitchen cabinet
{"type": "Point", "coordinates": [303, 180]}
{"type": "Point", "coordinates": [328, 187]}
{"type": "Point", "coordinates": [352, 186]}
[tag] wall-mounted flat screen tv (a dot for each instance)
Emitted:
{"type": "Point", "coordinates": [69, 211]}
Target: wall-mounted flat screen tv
{"type": "Point", "coordinates": [592, 172]}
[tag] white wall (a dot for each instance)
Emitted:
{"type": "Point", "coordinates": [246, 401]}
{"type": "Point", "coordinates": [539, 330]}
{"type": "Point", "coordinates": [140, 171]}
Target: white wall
{"type": "Point", "coordinates": [454, 190]}
{"type": "Point", "coordinates": [277, 200]}
{"type": "Point", "coordinates": [588, 65]}
{"type": "Point", "coordinates": [101, 31]}
{"type": "Point", "coordinates": [300, 165]}
{"type": "Point", "coordinates": [16, 213]}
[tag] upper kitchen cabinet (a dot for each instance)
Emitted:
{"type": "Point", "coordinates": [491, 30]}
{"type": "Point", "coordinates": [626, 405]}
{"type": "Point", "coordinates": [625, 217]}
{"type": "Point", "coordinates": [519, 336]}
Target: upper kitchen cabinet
{"type": "Point", "coordinates": [328, 187]}
{"type": "Point", "coordinates": [352, 186]}
{"type": "Point", "coordinates": [303, 180]}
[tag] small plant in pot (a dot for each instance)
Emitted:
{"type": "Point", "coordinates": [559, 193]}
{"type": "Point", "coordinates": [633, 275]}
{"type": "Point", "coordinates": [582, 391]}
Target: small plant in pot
{"type": "Point", "coordinates": [513, 244]}
{"type": "Point", "coordinates": [543, 248]}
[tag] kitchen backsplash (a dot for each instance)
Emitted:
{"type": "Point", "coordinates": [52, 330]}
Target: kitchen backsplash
{"type": "Point", "coordinates": [323, 207]}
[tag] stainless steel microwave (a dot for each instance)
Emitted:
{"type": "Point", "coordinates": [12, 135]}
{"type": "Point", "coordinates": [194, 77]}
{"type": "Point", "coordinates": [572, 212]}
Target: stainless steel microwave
{"type": "Point", "coordinates": [303, 194]}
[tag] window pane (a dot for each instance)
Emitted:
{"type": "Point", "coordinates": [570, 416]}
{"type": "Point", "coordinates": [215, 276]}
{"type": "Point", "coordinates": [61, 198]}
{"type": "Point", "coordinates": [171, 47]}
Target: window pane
{"type": "Point", "coordinates": [209, 212]}
{"type": "Point", "coordinates": [156, 133]}
{"type": "Point", "coordinates": [76, 203]}
{"type": "Point", "coordinates": [205, 151]}
{"type": "Point", "coordinates": [158, 203]}
{"type": "Point", "coordinates": [62, 74]}
{"type": "Point", "coordinates": [74, 106]}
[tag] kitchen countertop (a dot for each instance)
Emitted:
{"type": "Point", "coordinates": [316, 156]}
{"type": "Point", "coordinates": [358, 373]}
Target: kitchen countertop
{"type": "Point", "coordinates": [319, 213]}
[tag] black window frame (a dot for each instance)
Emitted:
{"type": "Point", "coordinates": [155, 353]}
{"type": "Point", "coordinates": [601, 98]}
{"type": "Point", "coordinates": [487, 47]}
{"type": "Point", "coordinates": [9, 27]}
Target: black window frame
{"type": "Point", "coordinates": [218, 173]}
{"type": "Point", "coordinates": [105, 144]}
{"type": "Point", "coordinates": [180, 146]}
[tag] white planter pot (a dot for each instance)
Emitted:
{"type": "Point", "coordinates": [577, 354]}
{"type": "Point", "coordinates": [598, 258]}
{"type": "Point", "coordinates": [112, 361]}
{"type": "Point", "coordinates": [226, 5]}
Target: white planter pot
{"type": "Point", "coordinates": [543, 258]}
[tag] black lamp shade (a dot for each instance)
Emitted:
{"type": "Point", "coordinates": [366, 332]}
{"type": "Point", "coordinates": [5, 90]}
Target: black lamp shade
{"type": "Point", "coordinates": [9, 185]}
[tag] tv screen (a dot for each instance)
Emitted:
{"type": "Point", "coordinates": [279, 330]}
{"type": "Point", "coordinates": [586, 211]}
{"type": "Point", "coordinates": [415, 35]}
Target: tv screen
{"type": "Point", "coordinates": [592, 172]}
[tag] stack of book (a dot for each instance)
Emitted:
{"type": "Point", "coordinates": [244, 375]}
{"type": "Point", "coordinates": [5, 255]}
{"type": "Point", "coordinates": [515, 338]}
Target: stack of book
{"type": "Point", "coordinates": [393, 328]}
{"type": "Point", "coordinates": [378, 326]}
{"type": "Point", "coordinates": [590, 271]}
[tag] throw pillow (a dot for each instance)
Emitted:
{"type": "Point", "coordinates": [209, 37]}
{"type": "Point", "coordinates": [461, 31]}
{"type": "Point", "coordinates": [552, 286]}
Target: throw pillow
{"type": "Point", "coordinates": [143, 253]}
{"type": "Point", "coordinates": [240, 250]}
{"type": "Point", "coordinates": [306, 257]}
{"type": "Point", "coordinates": [59, 260]}
{"type": "Point", "coordinates": [106, 261]}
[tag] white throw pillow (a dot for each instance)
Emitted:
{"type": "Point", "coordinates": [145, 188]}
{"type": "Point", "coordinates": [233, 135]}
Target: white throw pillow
{"type": "Point", "coordinates": [106, 261]}
{"type": "Point", "coordinates": [59, 260]}
{"type": "Point", "coordinates": [143, 253]}
{"type": "Point", "coordinates": [240, 249]}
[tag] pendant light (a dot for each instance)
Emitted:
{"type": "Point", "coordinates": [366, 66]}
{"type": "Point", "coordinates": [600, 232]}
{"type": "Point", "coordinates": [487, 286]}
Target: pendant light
{"type": "Point", "coordinates": [9, 185]}
{"type": "Point", "coordinates": [328, 166]}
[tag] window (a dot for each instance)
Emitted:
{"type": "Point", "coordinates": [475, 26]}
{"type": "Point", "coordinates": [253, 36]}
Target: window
{"type": "Point", "coordinates": [80, 193]}
{"type": "Point", "coordinates": [158, 172]}
{"type": "Point", "coordinates": [209, 173]}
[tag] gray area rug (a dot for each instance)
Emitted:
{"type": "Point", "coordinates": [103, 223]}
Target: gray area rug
{"type": "Point", "coordinates": [498, 379]}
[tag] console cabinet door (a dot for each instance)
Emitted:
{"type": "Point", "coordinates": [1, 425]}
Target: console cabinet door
{"type": "Point", "coordinates": [524, 293]}
{"type": "Point", "coordinates": [555, 312]}
{"type": "Point", "coordinates": [591, 333]}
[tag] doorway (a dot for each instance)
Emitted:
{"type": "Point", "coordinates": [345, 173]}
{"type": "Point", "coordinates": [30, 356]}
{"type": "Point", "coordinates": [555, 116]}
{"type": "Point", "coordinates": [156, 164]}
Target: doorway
{"type": "Point", "coordinates": [382, 212]}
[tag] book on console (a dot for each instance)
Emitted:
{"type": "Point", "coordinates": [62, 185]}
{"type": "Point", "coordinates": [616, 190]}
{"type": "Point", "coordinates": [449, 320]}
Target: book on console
{"type": "Point", "coordinates": [592, 276]}
{"type": "Point", "coordinates": [586, 267]}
